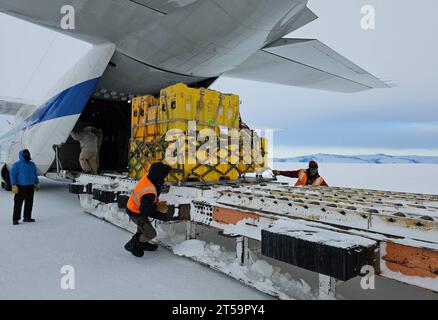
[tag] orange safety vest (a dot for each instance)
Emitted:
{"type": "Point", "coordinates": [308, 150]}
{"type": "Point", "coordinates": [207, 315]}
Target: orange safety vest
{"type": "Point", "coordinates": [302, 179]}
{"type": "Point", "coordinates": [144, 186]}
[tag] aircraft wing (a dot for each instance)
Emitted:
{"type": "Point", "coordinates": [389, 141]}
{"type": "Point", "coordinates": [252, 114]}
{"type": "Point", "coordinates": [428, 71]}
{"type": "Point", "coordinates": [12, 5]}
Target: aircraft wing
{"type": "Point", "coordinates": [306, 63]}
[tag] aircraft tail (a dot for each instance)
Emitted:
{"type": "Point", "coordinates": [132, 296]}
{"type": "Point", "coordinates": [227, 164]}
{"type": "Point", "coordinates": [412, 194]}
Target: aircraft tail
{"type": "Point", "coordinates": [46, 81]}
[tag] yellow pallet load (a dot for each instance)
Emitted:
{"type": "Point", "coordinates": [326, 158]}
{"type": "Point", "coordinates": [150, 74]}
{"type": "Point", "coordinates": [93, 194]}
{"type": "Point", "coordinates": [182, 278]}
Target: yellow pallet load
{"type": "Point", "coordinates": [144, 129]}
{"type": "Point", "coordinates": [135, 116]}
{"type": "Point", "coordinates": [253, 152]}
{"type": "Point", "coordinates": [142, 115]}
{"type": "Point", "coordinates": [192, 130]}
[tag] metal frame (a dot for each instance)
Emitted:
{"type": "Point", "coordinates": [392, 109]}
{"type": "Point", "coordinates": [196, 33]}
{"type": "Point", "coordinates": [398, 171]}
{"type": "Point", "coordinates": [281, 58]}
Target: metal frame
{"type": "Point", "coordinates": [409, 256]}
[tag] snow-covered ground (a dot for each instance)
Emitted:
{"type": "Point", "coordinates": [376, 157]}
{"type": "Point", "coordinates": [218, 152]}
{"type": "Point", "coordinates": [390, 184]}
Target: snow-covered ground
{"type": "Point", "coordinates": [31, 256]}
{"type": "Point", "coordinates": [417, 178]}
{"type": "Point", "coordinates": [370, 158]}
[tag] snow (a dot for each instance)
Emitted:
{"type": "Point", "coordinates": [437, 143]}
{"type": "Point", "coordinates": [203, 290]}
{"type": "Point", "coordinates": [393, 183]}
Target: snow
{"type": "Point", "coordinates": [32, 256]}
{"type": "Point", "coordinates": [374, 223]}
{"type": "Point", "coordinates": [209, 254]}
{"type": "Point", "coordinates": [300, 230]}
{"type": "Point", "coordinates": [418, 178]}
{"type": "Point", "coordinates": [262, 268]}
{"type": "Point", "coordinates": [190, 248]}
{"type": "Point", "coordinates": [65, 235]}
{"type": "Point", "coordinates": [247, 227]}
{"type": "Point", "coordinates": [259, 273]}
{"type": "Point", "coordinates": [212, 255]}
{"type": "Point", "coordinates": [374, 158]}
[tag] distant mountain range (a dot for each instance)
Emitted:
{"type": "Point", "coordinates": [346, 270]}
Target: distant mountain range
{"type": "Point", "coordinates": [374, 158]}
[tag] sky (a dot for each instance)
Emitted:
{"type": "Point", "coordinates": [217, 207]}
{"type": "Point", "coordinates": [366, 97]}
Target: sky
{"type": "Point", "coordinates": [402, 120]}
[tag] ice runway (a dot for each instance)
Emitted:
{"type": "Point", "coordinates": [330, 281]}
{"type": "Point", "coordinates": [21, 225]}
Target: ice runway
{"type": "Point", "coordinates": [32, 255]}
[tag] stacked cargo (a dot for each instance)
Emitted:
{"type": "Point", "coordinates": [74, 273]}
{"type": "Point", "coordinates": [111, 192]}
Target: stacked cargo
{"type": "Point", "coordinates": [180, 126]}
{"type": "Point", "coordinates": [144, 111]}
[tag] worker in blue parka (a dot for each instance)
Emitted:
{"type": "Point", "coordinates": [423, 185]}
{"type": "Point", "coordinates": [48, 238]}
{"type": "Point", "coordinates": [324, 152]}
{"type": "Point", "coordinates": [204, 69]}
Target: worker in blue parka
{"type": "Point", "coordinates": [24, 181]}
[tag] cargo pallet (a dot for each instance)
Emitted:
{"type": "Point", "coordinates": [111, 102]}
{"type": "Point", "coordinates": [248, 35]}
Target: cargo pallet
{"type": "Point", "coordinates": [334, 232]}
{"type": "Point", "coordinates": [184, 113]}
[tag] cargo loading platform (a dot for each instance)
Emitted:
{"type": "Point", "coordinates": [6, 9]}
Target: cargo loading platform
{"type": "Point", "coordinates": [339, 233]}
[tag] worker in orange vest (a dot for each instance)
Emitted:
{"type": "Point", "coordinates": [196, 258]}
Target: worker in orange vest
{"type": "Point", "coordinates": [142, 204]}
{"type": "Point", "coordinates": [306, 177]}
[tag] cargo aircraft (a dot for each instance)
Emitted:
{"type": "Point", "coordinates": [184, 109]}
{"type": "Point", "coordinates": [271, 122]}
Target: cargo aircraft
{"type": "Point", "coordinates": [55, 77]}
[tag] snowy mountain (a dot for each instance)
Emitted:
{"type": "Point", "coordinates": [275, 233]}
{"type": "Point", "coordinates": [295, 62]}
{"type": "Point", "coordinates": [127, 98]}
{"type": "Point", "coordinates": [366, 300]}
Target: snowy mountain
{"type": "Point", "coordinates": [376, 158]}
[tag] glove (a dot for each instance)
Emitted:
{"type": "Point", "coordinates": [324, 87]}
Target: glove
{"type": "Point", "coordinates": [37, 187]}
{"type": "Point", "coordinates": [162, 207]}
{"type": "Point", "coordinates": [276, 172]}
{"type": "Point", "coordinates": [15, 189]}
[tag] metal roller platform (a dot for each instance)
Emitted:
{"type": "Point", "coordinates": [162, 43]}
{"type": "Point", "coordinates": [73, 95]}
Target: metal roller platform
{"type": "Point", "coordinates": [332, 231]}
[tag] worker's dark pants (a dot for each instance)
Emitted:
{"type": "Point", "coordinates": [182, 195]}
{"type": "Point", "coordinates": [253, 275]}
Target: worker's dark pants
{"type": "Point", "coordinates": [25, 194]}
{"type": "Point", "coordinates": [144, 226]}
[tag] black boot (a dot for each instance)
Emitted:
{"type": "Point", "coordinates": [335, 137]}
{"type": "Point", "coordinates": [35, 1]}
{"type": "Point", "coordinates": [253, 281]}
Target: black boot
{"type": "Point", "coordinates": [15, 223]}
{"type": "Point", "coordinates": [148, 246]}
{"type": "Point", "coordinates": [29, 220]}
{"type": "Point", "coordinates": [135, 247]}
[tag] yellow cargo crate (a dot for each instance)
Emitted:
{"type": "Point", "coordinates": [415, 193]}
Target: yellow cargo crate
{"type": "Point", "coordinates": [153, 118]}
{"type": "Point", "coordinates": [136, 102]}
{"type": "Point", "coordinates": [153, 126]}
{"type": "Point", "coordinates": [229, 113]}
{"type": "Point", "coordinates": [264, 152]}
{"type": "Point", "coordinates": [209, 107]}
{"type": "Point", "coordinates": [180, 104]}
{"type": "Point", "coordinates": [145, 152]}
{"type": "Point", "coordinates": [137, 159]}
{"type": "Point", "coordinates": [227, 165]}
{"type": "Point", "coordinates": [142, 154]}
{"type": "Point", "coordinates": [253, 156]}
{"type": "Point", "coordinates": [140, 115]}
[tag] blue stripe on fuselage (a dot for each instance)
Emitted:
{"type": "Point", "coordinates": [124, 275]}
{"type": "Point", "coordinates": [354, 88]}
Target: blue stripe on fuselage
{"type": "Point", "coordinates": [69, 102]}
